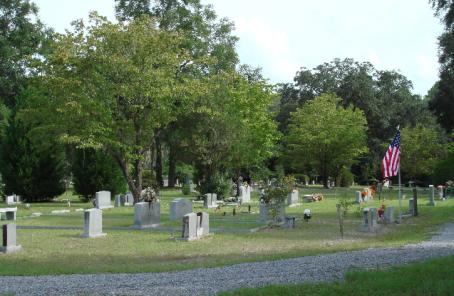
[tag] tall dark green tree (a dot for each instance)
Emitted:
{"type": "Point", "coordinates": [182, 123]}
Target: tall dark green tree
{"type": "Point", "coordinates": [32, 168]}
{"type": "Point", "coordinates": [94, 170]}
{"type": "Point", "coordinates": [442, 103]}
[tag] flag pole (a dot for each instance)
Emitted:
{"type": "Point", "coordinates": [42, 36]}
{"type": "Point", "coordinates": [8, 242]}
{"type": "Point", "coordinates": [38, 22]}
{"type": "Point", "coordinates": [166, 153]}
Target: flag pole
{"type": "Point", "coordinates": [400, 185]}
{"type": "Point", "coordinates": [400, 199]}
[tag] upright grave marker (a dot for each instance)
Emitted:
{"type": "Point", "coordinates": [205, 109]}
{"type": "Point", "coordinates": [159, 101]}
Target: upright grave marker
{"type": "Point", "coordinates": [210, 201]}
{"type": "Point", "coordinates": [147, 214]}
{"type": "Point", "coordinates": [9, 244]}
{"type": "Point", "coordinates": [195, 226]}
{"type": "Point", "coordinates": [102, 200]}
{"type": "Point", "coordinates": [431, 195]}
{"type": "Point", "coordinates": [93, 223]}
{"type": "Point", "coordinates": [292, 197]}
{"type": "Point", "coordinates": [179, 207]}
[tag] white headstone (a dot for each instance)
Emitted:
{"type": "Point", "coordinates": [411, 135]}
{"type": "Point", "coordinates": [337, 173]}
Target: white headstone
{"type": "Point", "coordinates": [93, 223]}
{"type": "Point", "coordinates": [195, 226]}
{"type": "Point", "coordinates": [210, 201]}
{"type": "Point", "coordinates": [129, 199]}
{"type": "Point", "coordinates": [12, 199]}
{"type": "Point", "coordinates": [9, 199]}
{"type": "Point", "coordinates": [292, 197]}
{"type": "Point", "coordinates": [103, 200]}
{"type": "Point", "coordinates": [9, 244]}
{"type": "Point", "coordinates": [189, 227]}
{"type": "Point", "coordinates": [245, 194]}
{"type": "Point", "coordinates": [431, 195]}
{"type": "Point", "coordinates": [147, 214]}
{"type": "Point", "coordinates": [179, 207]}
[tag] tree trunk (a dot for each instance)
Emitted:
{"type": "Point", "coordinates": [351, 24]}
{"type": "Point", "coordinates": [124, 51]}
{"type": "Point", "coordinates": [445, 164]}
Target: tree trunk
{"type": "Point", "coordinates": [324, 175]}
{"type": "Point", "coordinates": [132, 184]}
{"type": "Point", "coordinates": [158, 167]}
{"type": "Point", "coordinates": [172, 165]}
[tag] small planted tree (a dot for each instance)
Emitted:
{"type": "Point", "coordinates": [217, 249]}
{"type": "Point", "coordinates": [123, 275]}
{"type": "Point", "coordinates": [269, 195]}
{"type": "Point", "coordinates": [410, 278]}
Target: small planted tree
{"type": "Point", "coordinates": [274, 197]}
{"type": "Point", "coordinates": [342, 208]}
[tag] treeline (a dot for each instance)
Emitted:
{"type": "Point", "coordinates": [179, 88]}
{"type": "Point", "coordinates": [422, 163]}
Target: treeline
{"type": "Point", "coordinates": [161, 92]}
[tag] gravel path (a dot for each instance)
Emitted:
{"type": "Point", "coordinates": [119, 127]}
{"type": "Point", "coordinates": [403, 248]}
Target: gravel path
{"type": "Point", "coordinates": [208, 281]}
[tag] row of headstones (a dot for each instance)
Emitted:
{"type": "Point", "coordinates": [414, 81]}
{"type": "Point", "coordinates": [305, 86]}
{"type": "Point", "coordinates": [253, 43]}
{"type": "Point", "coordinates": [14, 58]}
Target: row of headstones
{"type": "Point", "coordinates": [371, 217]}
{"type": "Point", "coordinates": [431, 196]}
{"type": "Point", "coordinates": [245, 195]}
{"type": "Point", "coordinates": [148, 215]}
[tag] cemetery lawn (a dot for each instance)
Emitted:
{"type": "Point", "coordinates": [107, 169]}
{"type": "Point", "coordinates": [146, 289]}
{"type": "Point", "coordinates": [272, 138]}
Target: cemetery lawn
{"type": "Point", "coordinates": [434, 277]}
{"type": "Point", "coordinates": [52, 243]}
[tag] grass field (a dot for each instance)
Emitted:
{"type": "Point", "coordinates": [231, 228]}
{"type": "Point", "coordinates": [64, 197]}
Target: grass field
{"type": "Point", "coordinates": [235, 239]}
{"type": "Point", "coordinates": [435, 277]}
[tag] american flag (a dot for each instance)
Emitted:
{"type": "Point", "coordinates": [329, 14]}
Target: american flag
{"type": "Point", "coordinates": [391, 161]}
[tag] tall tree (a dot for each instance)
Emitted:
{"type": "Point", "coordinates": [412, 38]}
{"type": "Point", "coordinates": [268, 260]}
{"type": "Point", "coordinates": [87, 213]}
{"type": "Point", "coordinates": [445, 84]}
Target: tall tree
{"type": "Point", "coordinates": [385, 97]}
{"type": "Point", "coordinates": [205, 35]}
{"type": "Point", "coordinates": [442, 103]}
{"type": "Point", "coordinates": [326, 136]}
{"type": "Point", "coordinates": [111, 86]}
{"type": "Point", "coordinates": [94, 170]}
{"type": "Point", "coordinates": [422, 147]}
{"type": "Point", "coordinates": [21, 36]}
{"type": "Point", "coordinates": [32, 168]}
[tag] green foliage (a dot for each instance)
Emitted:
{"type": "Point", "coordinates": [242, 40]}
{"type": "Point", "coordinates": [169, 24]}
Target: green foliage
{"type": "Point", "coordinates": [326, 136]}
{"type": "Point", "coordinates": [441, 101]}
{"type": "Point", "coordinates": [21, 36]}
{"type": "Point", "coordinates": [218, 183]}
{"type": "Point", "coordinates": [149, 179]}
{"type": "Point", "coordinates": [276, 193]}
{"type": "Point", "coordinates": [443, 170]}
{"type": "Point", "coordinates": [2, 186]}
{"type": "Point", "coordinates": [345, 203]}
{"type": "Point", "coordinates": [422, 147]}
{"type": "Point", "coordinates": [346, 177]}
{"type": "Point", "coordinates": [232, 128]}
{"type": "Point", "coordinates": [94, 170]}
{"type": "Point", "coordinates": [385, 97]}
{"type": "Point", "coordinates": [184, 170]}
{"type": "Point", "coordinates": [186, 189]}
{"type": "Point", "coordinates": [33, 169]}
{"type": "Point", "coordinates": [112, 86]}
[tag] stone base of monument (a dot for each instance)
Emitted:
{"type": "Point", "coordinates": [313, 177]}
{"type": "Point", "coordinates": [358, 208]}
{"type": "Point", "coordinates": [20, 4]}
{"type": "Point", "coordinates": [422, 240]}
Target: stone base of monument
{"type": "Point", "coordinates": [147, 215]}
{"type": "Point", "coordinates": [10, 249]}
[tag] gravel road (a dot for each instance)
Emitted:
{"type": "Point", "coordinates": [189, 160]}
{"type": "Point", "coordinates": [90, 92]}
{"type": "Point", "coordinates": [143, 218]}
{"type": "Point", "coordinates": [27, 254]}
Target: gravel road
{"type": "Point", "coordinates": [209, 281]}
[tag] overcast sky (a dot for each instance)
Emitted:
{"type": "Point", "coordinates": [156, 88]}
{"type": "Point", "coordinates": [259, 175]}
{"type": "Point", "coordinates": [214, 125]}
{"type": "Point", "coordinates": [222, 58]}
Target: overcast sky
{"type": "Point", "coordinates": [281, 36]}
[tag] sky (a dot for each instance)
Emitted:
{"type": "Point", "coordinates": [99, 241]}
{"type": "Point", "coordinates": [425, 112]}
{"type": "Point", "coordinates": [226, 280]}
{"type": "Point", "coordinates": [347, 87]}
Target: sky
{"type": "Point", "coordinates": [282, 36]}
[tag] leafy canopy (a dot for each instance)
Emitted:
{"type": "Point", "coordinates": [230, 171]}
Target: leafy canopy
{"type": "Point", "coordinates": [325, 135]}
